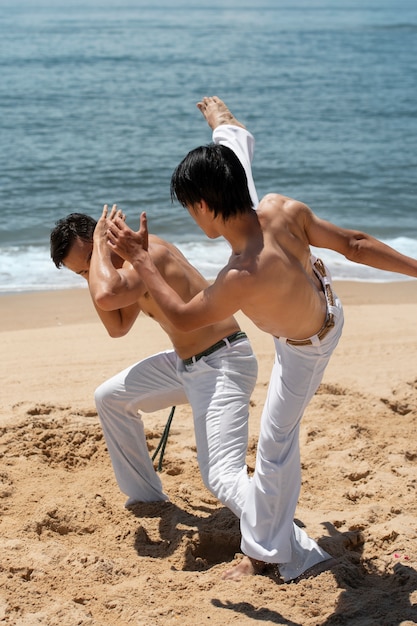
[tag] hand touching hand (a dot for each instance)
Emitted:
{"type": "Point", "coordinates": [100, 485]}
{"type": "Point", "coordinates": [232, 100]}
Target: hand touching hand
{"type": "Point", "coordinates": [125, 242]}
{"type": "Point", "coordinates": [100, 231]}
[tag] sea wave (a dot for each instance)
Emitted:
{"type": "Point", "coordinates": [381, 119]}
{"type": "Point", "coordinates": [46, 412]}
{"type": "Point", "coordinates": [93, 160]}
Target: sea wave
{"type": "Point", "coordinates": [30, 268]}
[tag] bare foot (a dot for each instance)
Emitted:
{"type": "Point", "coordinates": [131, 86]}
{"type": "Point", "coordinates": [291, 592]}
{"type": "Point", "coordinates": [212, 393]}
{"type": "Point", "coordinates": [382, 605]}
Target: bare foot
{"type": "Point", "coordinates": [216, 112]}
{"type": "Point", "coordinates": [245, 567]}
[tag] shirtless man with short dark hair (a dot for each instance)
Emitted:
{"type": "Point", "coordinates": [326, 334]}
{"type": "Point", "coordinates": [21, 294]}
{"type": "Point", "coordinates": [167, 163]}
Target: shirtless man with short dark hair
{"type": "Point", "coordinates": [273, 278]}
{"type": "Point", "coordinates": [213, 368]}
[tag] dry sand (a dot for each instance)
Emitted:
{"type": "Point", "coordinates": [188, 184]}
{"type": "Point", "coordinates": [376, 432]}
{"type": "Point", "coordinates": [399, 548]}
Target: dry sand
{"type": "Point", "coordinates": [71, 554]}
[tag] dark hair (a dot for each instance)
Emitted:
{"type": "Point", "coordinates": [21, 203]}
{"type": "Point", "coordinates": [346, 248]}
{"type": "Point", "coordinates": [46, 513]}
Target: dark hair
{"type": "Point", "coordinates": [66, 232]}
{"type": "Point", "coordinates": [212, 173]}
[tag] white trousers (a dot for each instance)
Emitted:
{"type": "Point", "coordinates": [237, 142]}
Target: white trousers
{"type": "Point", "coordinates": [218, 388]}
{"type": "Point", "coordinates": [268, 531]}
{"type": "Point", "coordinates": [242, 142]}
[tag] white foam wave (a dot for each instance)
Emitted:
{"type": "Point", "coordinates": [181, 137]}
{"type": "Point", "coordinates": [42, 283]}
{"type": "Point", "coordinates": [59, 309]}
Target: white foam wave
{"type": "Point", "coordinates": [29, 268]}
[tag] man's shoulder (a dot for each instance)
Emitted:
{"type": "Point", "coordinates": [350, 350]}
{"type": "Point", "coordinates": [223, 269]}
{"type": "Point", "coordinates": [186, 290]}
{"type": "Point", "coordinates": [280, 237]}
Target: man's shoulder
{"type": "Point", "coordinates": [167, 257]}
{"type": "Point", "coordinates": [279, 210]}
{"type": "Point", "coordinates": [273, 198]}
{"type": "Point", "coordinates": [280, 200]}
{"type": "Point", "coordinates": [274, 204]}
{"type": "Point", "coordinates": [155, 239]}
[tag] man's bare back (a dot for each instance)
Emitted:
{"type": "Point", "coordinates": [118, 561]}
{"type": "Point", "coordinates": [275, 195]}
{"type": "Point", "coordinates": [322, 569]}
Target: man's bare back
{"type": "Point", "coordinates": [280, 291]}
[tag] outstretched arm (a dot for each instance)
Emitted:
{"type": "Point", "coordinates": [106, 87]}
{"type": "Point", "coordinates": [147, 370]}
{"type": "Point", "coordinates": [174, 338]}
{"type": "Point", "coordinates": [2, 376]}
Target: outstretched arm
{"type": "Point", "coordinates": [357, 246]}
{"type": "Point", "coordinates": [213, 304]}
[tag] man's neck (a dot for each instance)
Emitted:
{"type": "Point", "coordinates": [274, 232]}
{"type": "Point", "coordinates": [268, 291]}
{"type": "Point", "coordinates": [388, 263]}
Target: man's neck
{"type": "Point", "coordinates": [240, 230]}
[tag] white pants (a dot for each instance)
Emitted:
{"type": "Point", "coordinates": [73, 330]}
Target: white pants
{"type": "Point", "coordinates": [218, 388]}
{"type": "Point", "coordinates": [242, 143]}
{"type": "Point", "coordinates": [268, 531]}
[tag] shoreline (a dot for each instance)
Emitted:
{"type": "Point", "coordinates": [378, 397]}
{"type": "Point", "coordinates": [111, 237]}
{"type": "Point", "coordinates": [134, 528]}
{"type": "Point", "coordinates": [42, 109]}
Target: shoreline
{"type": "Point", "coordinates": [41, 309]}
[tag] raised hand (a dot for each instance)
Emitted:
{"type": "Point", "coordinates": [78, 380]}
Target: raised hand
{"type": "Point", "coordinates": [127, 243]}
{"type": "Point", "coordinates": [100, 231]}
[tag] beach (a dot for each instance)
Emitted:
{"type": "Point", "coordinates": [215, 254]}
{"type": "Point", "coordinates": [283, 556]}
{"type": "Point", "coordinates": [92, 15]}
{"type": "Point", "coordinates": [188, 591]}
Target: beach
{"type": "Point", "coordinates": [72, 554]}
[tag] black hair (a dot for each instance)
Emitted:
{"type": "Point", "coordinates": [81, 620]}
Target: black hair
{"type": "Point", "coordinates": [212, 173]}
{"type": "Point", "coordinates": [66, 232]}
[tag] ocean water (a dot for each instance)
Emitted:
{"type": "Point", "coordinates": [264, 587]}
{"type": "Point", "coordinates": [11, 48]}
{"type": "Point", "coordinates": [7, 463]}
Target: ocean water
{"type": "Point", "coordinates": [97, 105]}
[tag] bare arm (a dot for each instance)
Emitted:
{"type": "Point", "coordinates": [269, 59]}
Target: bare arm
{"type": "Point", "coordinates": [213, 304]}
{"type": "Point", "coordinates": [114, 290]}
{"type": "Point", "coordinates": [357, 246]}
{"type": "Point", "coordinates": [118, 322]}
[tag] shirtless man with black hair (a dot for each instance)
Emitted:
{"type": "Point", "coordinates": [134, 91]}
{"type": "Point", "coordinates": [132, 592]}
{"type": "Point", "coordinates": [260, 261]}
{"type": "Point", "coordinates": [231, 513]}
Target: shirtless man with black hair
{"type": "Point", "coordinates": [272, 277]}
{"type": "Point", "coordinates": [212, 368]}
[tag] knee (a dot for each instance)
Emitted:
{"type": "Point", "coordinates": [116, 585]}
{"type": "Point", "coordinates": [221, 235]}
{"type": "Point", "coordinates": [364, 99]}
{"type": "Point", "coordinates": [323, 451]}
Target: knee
{"type": "Point", "coordinates": [103, 394]}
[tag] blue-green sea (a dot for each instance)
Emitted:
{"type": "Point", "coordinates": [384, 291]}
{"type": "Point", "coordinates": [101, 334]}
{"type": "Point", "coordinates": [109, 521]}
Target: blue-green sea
{"type": "Point", "coordinates": [97, 105]}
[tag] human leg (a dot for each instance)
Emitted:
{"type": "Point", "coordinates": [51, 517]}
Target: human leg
{"type": "Point", "coordinates": [242, 143]}
{"type": "Point", "coordinates": [149, 385]}
{"type": "Point", "coordinates": [228, 131]}
{"type": "Point", "coordinates": [219, 388]}
{"type": "Point", "coordinates": [268, 531]}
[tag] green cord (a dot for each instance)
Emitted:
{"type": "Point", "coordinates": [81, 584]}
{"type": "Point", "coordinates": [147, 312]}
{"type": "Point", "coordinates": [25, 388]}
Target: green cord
{"type": "Point", "coordinates": [163, 442]}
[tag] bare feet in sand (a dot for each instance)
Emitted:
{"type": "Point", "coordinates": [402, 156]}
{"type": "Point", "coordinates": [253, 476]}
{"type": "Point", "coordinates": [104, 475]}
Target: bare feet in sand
{"type": "Point", "coordinates": [245, 567]}
{"type": "Point", "coordinates": [250, 567]}
{"type": "Point", "coordinates": [216, 112]}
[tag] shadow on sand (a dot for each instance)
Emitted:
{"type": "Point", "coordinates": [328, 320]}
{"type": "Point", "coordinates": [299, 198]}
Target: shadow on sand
{"type": "Point", "coordinates": [368, 596]}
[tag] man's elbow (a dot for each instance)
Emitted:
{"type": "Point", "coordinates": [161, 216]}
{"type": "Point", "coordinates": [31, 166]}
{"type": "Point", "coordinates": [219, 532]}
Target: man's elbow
{"type": "Point", "coordinates": [105, 301]}
{"type": "Point", "coordinates": [116, 333]}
